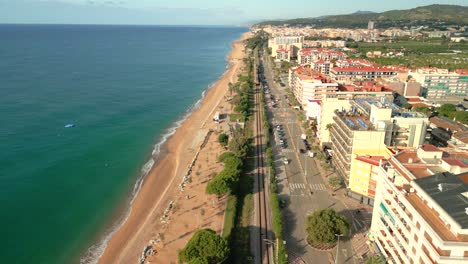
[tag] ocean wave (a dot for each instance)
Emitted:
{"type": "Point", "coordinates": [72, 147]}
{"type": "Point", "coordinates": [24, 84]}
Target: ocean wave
{"type": "Point", "coordinates": [94, 252]}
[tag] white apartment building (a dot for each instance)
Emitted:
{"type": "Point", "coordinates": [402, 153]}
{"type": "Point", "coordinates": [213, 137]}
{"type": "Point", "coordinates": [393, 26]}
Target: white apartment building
{"type": "Point", "coordinates": [306, 84]}
{"type": "Point", "coordinates": [420, 210]}
{"type": "Point", "coordinates": [293, 43]}
{"type": "Point", "coordinates": [321, 66]}
{"type": "Point", "coordinates": [308, 55]}
{"type": "Point", "coordinates": [283, 54]}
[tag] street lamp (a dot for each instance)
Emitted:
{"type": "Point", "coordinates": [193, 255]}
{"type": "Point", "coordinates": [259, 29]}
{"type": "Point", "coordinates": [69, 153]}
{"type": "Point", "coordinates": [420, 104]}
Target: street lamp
{"type": "Point", "coordinates": [337, 247]}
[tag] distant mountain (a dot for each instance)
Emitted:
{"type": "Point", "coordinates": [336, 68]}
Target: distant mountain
{"type": "Point", "coordinates": [437, 14]}
{"type": "Point", "coordinates": [359, 12]}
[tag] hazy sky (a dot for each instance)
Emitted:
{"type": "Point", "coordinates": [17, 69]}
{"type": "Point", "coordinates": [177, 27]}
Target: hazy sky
{"type": "Point", "coordinates": [188, 12]}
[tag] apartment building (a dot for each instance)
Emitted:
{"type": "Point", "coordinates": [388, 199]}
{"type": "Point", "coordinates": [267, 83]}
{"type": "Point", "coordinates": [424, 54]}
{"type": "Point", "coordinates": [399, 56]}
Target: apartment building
{"type": "Point", "coordinates": [321, 112]}
{"type": "Point", "coordinates": [308, 55]}
{"type": "Point", "coordinates": [283, 54]}
{"type": "Point", "coordinates": [440, 85]}
{"type": "Point", "coordinates": [354, 62]}
{"type": "Point", "coordinates": [350, 74]}
{"type": "Point", "coordinates": [307, 84]}
{"type": "Point", "coordinates": [368, 126]}
{"type": "Point", "coordinates": [321, 66]}
{"type": "Point", "coordinates": [353, 133]}
{"type": "Point", "coordinates": [291, 43]}
{"type": "Point", "coordinates": [447, 132]}
{"type": "Point", "coordinates": [420, 212]}
{"type": "Point", "coordinates": [325, 43]}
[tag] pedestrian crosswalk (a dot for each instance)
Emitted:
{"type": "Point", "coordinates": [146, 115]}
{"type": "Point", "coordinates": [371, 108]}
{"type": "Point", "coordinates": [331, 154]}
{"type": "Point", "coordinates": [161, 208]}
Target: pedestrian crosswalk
{"type": "Point", "coordinates": [318, 186]}
{"type": "Point", "coordinates": [295, 186]}
{"type": "Point", "coordinates": [287, 150]}
{"type": "Point", "coordinates": [313, 186]}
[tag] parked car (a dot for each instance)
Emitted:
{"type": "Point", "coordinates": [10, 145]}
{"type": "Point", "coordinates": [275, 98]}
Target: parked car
{"type": "Point", "coordinates": [285, 160]}
{"type": "Point", "coordinates": [282, 203]}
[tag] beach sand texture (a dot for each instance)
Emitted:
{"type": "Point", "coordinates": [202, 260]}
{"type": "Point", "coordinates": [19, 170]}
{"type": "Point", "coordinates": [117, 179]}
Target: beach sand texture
{"type": "Point", "coordinates": [161, 185]}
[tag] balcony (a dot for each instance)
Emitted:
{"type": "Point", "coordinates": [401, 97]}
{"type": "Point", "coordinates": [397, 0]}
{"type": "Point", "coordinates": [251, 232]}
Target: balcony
{"type": "Point", "coordinates": [343, 127]}
{"type": "Point", "coordinates": [342, 134]}
{"type": "Point", "coordinates": [389, 247]}
{"type": "Point", "coordinates": [400, 136]}
{"type": "Point", "coordinates": [401, 240]}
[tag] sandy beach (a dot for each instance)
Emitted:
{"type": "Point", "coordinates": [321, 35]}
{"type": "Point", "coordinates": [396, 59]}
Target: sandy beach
{"type": "Point", "coordinates": [191, 209]}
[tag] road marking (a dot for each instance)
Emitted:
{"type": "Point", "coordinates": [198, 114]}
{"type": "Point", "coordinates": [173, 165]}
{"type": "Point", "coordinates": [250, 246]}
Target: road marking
{"type": "Point", "coordinates": [297, 186]}
{"type": "Point", "coordinates": [288, 150]}
{"type": "Point", "coordinates": [318, 186]}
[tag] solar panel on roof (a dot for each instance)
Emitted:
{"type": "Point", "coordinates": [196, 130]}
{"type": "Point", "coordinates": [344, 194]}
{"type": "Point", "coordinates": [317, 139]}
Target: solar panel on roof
{"type": "Point", "coordinates": [362, 123]}
{"type": "Point", "coordinates": [349, 122]}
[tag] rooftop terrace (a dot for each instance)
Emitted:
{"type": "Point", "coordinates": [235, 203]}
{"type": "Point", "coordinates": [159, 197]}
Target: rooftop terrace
{"type": "Point", "coordinates": [355, 121]}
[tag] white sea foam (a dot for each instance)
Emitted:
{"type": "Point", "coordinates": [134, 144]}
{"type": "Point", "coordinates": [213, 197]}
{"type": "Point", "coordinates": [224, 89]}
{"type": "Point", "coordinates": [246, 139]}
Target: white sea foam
{"type": "Point", "coordinates": [94, 252]}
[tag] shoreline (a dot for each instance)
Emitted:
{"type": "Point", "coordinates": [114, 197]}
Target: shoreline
{"type": "Point", "coordinates": [133, 233]}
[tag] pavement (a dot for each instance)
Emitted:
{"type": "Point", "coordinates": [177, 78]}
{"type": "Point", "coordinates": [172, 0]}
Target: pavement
{"type": "Point", "coordinates": [303, 184]}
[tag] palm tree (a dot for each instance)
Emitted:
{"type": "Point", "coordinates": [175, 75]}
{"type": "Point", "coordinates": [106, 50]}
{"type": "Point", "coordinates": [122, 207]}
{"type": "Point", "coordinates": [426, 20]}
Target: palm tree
{"type": "Point", "coordinates": [329, 127]}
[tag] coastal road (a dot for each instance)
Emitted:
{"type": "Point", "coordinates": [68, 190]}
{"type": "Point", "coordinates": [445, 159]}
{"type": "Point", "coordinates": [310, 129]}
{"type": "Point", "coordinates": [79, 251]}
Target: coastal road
{"type": "Point", "coordinates": [302, 186]}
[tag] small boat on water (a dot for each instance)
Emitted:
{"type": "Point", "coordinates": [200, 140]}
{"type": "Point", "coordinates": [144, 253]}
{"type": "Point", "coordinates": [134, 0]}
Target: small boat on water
{"type": "Point", "coordinates": [69, 125]}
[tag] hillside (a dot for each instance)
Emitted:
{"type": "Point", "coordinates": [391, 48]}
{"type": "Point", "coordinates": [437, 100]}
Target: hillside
{"type": "Point", "coordinates": [437, 14]}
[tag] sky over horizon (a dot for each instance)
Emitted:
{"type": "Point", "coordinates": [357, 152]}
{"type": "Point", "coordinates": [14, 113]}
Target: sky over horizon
{"type": "Point", "coordinates": [188, 12]}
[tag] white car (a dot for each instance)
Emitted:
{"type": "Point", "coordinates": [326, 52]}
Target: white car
{"type": "Point", "coordinates": [285, 160]}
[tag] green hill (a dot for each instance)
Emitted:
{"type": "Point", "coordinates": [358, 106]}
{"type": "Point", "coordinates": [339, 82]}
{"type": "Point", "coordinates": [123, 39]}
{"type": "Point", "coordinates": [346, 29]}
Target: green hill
{"type": "Point", "coordinates": [438, 15]}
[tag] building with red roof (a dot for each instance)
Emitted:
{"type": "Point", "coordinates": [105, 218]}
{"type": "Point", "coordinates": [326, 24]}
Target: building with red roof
{"type": "Point", "coordinates": [307, 84]}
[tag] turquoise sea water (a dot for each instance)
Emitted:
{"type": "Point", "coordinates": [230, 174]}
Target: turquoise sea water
{"type": "Point", "coordinates": [123, 87]}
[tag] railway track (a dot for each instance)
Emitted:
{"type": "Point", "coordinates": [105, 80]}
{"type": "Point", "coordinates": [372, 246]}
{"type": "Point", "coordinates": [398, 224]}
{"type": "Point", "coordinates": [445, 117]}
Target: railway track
{"type": "Point", "coordinates": [263, 223]}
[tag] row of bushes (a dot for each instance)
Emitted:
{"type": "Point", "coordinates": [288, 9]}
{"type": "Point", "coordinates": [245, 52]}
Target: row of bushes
{"type": "Point", "coordinates": [243, 88]}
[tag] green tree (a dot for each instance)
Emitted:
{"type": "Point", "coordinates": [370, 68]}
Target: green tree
{"type": "Point", "coordinates": [239, 144]}
{"type": "Point", "coordinates": [376, 259]}
{"type": "Point", "coordinates": [407, 106]}
{"type": "Point", "coordinates": [322, 225]}
{"type": "Point", "coordinates": [320, 156]}
{"type": "Point", "coordinates": [447, 110]}
{"type": "Point", "coordinates": [205, 247]}
{"type": "Point", "coordinates": [219, 185]}
{"type": "Point", "coordinates": [461, 116]}
{"type": "Point", "coordinates": [226, 181]}
{"type": "Point", "coordinates": [329, 127]}
{"type": "Point", "coordinates": [423, 109]}
{"type": "Point", "coordinates": [223, 139]}
{"type": "Point", "coordinates": [335, 182]}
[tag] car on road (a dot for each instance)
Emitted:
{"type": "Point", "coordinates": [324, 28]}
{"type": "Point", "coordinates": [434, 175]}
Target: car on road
{"type": "Point", "coordinates": [285, 160]}
{"type": "Point", "coordinates": [282, 203]}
